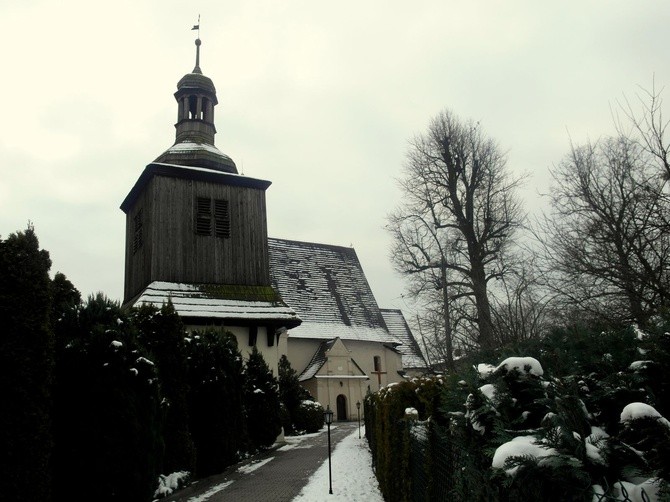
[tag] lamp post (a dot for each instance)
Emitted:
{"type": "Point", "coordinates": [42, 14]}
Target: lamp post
{"type": "Point", "coordinates": [358, 407]}
{"type": "Point", "coordinates": [328, 415]}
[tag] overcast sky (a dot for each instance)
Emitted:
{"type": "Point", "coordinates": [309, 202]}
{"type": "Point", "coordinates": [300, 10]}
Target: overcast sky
{"type": "Point", "coordinates": [320, 98]}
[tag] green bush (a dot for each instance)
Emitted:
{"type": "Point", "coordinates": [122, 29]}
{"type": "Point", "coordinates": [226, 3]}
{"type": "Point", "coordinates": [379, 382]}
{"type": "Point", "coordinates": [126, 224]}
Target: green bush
{"type": "Point", "coordinates": [308, 417]}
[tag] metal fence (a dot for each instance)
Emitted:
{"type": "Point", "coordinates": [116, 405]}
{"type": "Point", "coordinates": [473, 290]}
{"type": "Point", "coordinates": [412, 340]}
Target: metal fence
{"type": "Point", "coordinates": [436, 467]}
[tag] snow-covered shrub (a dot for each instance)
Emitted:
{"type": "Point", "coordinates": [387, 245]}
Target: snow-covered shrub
{"type": "Point", "coordinates": [167, 484]}
{"type": "Point", "coordinates": [308, 417]}
{"type": "Point", "coordinates": [549, 422]}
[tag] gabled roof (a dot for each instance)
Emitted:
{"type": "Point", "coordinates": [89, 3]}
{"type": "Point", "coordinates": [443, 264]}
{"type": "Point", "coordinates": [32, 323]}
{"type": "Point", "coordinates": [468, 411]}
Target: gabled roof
{"type": "Point", "coordinates": [319, 359]}
{"type": "Point", "coordinates": [327, 288]}
{"type": "Point", "coordinates": [205, 302]}
{"type": "Point", "coordinates": [410, 350]}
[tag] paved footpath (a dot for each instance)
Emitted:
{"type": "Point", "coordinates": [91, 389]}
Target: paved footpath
{"type": "Point", "coordinates": [274, 476]}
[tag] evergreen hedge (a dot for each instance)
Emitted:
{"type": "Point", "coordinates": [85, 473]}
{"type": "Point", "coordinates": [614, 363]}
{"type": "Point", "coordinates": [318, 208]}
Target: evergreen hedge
{"type": "Point", "coordinates": [570, 412]}
{"type": "Point", "coordinates": [162, 332]}
{"type": "Point", "coordinates": [107, 427]}
{"type": "Point", "coordinates": [215, 399]}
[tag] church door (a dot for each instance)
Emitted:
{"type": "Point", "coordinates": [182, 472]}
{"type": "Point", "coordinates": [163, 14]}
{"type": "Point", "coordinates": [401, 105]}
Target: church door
{"type": "Point", "coordinates": [341, 407]}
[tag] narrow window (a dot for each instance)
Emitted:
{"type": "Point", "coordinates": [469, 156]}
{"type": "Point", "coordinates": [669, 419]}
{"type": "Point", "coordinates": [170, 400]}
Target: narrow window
{"type": "Point", "coordinates": [253, 333]}
{"type": "Point", "coordinates": [203, 216]}
{"type": "Point", "coordinates": [137, 231]}
{"type": "Point", "coordinates": [377, 363]}
{"type": "Point", "coordinates": [221, 218]}
{"type": "Point", "coordinates": [271, 337]}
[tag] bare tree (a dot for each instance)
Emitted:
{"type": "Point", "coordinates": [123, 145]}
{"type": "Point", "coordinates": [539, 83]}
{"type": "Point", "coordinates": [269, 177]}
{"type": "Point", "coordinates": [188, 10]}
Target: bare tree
{"type": "Point", "coordinates": [606, 250]}
{"type": "Point", "coordinates": [647, 127]}
{"type": "Point", "coordinates": [458, 215]}
{"type": "Point", "coordinates": [522, 308]}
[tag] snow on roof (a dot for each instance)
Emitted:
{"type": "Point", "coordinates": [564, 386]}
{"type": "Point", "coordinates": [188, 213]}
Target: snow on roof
{"type": "Point", "coordinates": [250, 303]}
{"type": "Point", "coordinates": [410, 350]}
{"type": "Point", "coordinates": [327, 288]}
{"type": "Point", "coordinates": [190, 146]}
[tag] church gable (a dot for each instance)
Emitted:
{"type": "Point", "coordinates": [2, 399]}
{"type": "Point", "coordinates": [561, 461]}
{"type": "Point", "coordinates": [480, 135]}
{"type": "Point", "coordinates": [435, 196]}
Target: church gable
{"type": "Point", "coordinates": [332, 359]}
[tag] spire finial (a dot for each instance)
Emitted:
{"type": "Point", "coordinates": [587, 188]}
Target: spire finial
{"type": "Point", "coordinates": [197, 47]}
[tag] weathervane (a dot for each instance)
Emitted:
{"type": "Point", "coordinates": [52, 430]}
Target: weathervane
{"type": "Point", "coordinates": [197, 47]}
{"type": "Point", "coordinates": [197, 26]}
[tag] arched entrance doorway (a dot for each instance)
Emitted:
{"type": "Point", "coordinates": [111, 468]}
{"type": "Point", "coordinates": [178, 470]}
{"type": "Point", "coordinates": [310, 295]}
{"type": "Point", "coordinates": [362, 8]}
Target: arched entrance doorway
{"type": "Point", "coordinates": [341, 407]}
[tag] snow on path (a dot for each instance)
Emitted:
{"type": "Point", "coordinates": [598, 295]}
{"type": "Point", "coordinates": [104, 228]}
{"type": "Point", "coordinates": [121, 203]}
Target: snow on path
{"type": "Point", "coordinates": [353, 479]}
{"type": "Point", "coordinates": [211, 492]}
{"type": "Point", "coordinates": [246, 469]}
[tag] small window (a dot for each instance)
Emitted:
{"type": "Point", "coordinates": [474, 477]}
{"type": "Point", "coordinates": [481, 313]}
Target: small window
{"type": "Point", "coordinates": [377, 363]}
{"type": "Point", "coordinates": [203, 216]}
{"type": "Point", "coordinates": [137, 231]}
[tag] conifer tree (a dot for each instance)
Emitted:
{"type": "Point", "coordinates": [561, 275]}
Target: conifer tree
{"type": "Point", "coordinates": [162, 333]}
{"type": "Point", "coordinates": [215, 399]}
{"type": "Point", "coordinates": [291, 393]}
{"type": "Point", "coordinates": [26, 367]}
{"type": "Point", "coordinates": [261, 402]}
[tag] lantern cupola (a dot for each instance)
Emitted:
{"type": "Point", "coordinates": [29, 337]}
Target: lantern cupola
{"type": "Point", "coordinates": [194, 143]}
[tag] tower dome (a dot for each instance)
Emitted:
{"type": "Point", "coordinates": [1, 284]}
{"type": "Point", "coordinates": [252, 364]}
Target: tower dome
{"type": "Point", "coordinates": [194, 143]}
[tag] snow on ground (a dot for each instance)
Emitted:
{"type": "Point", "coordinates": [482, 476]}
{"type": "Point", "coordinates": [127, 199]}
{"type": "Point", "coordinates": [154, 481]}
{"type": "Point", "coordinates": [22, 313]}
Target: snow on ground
{"type": "Point", "coordinates": [353, 479]}
{"type": "Point", "coordinates": [251, 467]}
{"type": "Point", "coordinates": [211, 492]}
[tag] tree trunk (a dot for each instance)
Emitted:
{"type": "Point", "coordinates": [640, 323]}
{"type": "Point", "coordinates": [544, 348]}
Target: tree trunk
{"type": "Point", "coordinates": [486, 341]}
{"type": "Point", "coordinates": [447, 320]}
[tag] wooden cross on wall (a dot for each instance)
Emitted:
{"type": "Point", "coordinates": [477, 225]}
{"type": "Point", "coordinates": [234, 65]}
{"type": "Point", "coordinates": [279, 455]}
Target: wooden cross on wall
{"type": "Point", "coordinates": [379, 377]}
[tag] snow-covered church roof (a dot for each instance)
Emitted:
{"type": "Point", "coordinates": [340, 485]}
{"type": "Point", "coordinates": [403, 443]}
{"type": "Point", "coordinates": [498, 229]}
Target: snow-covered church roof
{"type": "Point", "coordinates": [207, 302]}
{"type": "Point", "coordinates": [412, 356]}
{"type": "Point", "coordinates": [327, 288]}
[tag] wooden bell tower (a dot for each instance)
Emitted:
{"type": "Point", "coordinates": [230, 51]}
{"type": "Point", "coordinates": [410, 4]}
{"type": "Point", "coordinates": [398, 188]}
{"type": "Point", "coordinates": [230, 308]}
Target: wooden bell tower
{"type": "Point", "coordinates": [190, 217]}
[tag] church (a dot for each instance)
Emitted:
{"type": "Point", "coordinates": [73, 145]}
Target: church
{"type": "Point", "coordinates": [196, 233]}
